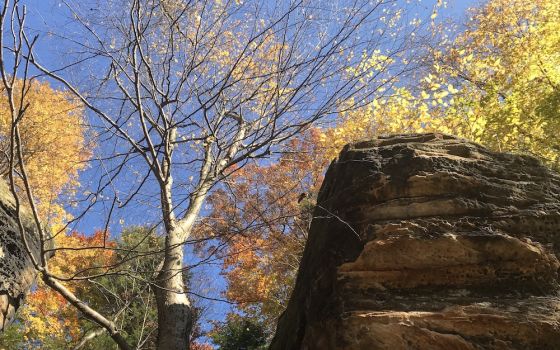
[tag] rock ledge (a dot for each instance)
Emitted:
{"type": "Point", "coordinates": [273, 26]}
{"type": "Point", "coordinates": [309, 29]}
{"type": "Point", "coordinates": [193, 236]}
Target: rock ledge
{"type": "Point", "coordinates": [427, 241]}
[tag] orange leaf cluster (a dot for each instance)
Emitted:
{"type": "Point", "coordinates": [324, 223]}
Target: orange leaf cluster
{"type": "Point", "coordinates": [47, 316]}
{"type": "Point", "coordinates": [262, 214]}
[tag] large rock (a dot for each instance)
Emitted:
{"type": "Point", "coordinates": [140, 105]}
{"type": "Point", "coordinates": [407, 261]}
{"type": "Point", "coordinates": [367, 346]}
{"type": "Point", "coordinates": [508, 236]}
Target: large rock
{"type": "Point", "coordinates": [16, 269]}
{"type": "Point", "coordinates": [429, 242]}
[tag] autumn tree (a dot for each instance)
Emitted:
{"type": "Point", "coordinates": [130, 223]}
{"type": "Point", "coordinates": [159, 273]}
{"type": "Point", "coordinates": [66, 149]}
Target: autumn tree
{"type": "Point", "coordinates": [53, 152]}
{"type": "Point", "coordinates": [47, 320]}
{"type": "Point", "coordinates": [260, 219]}
{"type": "Point", "coordinates": [507, 68]}
{"type": "Point", "coordinates": [187, 93]}
{"type": "Point", "coordinates": [496, 83]}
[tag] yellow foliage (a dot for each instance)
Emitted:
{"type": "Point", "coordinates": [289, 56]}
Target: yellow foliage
{"type": "Point", "coordinates": [497, 84]}
{"type": "Point", "coordinates": [53, 143]}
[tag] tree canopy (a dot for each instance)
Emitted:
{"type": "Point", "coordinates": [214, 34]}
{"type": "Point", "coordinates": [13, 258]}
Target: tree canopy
{"type": "Point", "coordinates": [208, 125]}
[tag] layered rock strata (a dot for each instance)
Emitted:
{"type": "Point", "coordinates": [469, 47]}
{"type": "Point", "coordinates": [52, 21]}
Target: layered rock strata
{"type": "Point", "coordinates": [431, 242]}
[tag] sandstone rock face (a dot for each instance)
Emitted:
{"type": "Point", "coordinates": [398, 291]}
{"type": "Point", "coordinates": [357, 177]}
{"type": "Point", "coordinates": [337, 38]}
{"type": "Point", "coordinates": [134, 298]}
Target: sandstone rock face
{"type": "Point", "coordinates": [431, 242]}
{"type": "Point", "coordinates": [16, 269]}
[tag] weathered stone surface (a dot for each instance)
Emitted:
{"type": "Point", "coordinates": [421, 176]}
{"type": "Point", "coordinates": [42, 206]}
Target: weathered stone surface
{"type": "Point", "coordinates": [16, 269]}
{"type": "Point", "coordinates": [429, 242]}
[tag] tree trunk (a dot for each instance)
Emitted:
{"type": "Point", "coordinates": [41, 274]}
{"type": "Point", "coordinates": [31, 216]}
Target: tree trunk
{"type": "Point", "coordinates": [175, 315]}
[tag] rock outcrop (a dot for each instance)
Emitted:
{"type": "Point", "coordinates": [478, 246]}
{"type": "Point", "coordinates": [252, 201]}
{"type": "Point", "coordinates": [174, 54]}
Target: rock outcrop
{"type": "Point", "coordinates": [16, 269]}
{"type": "Point", "coordinates": [430, 242]}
